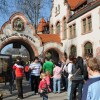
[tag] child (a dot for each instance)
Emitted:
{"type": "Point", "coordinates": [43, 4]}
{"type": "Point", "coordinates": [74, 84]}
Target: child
{"type": "Point", "coordinates": [43, 88]}
{"type": "Point", "coordinates": [57, 78]}
{"type": "Point", "coordinates": [48, 80]}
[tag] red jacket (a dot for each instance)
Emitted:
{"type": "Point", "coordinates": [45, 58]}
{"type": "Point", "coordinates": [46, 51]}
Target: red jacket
{"type": "Point", "coordinates": [19, 70]}
{"type": "Point", "coordinates": [42, 85]}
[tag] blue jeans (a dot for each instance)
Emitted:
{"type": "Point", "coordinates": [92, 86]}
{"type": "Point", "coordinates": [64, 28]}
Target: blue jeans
{"type": "Point", "coordinates": [69, 89]}
{"type": "Point", "coordinates": [56, 84]}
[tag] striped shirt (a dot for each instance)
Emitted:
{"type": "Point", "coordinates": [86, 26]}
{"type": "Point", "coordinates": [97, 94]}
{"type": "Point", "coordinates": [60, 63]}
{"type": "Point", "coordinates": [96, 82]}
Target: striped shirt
{"type": "Point", "coordinates": [36, 67]}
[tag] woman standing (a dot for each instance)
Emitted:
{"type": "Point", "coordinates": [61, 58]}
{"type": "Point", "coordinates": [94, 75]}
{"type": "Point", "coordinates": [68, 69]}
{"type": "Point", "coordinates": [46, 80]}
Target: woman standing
{"type": "Point", "coordinates": [19, 72]}
{"type": "Point", "coordinates": [57, 78]}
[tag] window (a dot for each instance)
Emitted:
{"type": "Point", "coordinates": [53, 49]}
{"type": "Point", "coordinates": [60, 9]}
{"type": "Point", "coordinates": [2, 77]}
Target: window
{"type": "Point", "coordinates": [57, 10]}
{"type": "Point", "coordinates": [87, 24]}
{"type": "Point", "coordinates": [64, 27]}
{"type": "Point", "coordinates": [51, 29]}
{"type": "Point", "coordinates": [72, 31]}
{"type": "Point", "coordinates": [73, 51]}
{"type": "Point", "coordinates": [58, 27]}
{"type": "Point", "coordinates": [88, 48]}
{"type": "Point", "coordinates": [65, 1]}
{"type": "Point", "coordinates": [84, 25]}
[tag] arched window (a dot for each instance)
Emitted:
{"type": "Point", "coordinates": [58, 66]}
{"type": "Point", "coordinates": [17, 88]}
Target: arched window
{"type": "Point", "coordinates": [64, 22]}
{"type": "Point", "coordinates": [52, 29]}
{"type": "Point", "coordinates": [88, 49]}
{"type": "Point", "coordinates": [73, 51]}
{"type": "Point", "coordinates": [58, 27]}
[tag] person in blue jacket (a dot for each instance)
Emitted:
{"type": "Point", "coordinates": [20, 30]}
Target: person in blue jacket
{"type": "Point", "coordinates": [91, 89]}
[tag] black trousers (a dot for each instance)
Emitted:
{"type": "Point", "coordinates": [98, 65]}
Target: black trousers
{"type": "Point", "coordinates": [19, 87]}
{"type": "Point", "coordinates": [76, 87]}
{"type": "Point", "coordinates": [35, 83]}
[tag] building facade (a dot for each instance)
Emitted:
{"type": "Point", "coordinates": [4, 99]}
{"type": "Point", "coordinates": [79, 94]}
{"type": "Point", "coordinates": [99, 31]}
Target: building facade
{"type": "Point", "coordinates": [78, 24]}
{"type": "Point", "coordinates": [17, 30]}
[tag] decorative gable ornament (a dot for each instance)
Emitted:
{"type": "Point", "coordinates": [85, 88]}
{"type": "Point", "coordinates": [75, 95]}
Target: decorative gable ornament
{"type": "Point", "coordinates": [18, 25]}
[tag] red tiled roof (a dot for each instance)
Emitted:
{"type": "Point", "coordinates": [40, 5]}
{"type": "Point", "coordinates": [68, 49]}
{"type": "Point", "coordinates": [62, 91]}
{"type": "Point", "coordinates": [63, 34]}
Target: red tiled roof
{"type": "Point", "coordinates": [50, 38]}
{"type": "Point", "coordinates": [75, 3]}
{"type": "Point", "coordinates": [41, 25]}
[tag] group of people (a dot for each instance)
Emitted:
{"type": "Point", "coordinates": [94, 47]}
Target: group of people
{"type": "Point", "coordinates": [81, 80]}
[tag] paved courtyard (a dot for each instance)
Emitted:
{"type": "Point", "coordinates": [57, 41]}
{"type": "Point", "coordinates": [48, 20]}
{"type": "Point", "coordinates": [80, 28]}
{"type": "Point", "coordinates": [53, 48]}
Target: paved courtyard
{"type": "Point", "coordinates": [28, 94]}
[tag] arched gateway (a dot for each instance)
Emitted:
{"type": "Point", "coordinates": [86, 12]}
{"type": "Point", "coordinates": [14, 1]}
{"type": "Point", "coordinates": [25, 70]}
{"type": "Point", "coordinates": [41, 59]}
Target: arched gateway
{"type": "Point", "coordinates": [18, 30]}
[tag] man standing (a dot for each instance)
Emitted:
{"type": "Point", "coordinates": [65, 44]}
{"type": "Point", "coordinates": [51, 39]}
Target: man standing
{"type": "Point", "coordinates": [35, 68]}
{"type": "Point", "coordinates": [48, 66]}
{"type": "Point", "coordinates": [91, 90]}
{"type": "Point", "coordinates": [19, 72]}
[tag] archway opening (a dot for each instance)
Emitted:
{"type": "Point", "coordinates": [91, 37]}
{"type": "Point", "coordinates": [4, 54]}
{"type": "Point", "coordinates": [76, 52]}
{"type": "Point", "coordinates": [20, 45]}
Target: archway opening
{"type": "Point", "coordinates": [18, 48]}
{"type": "Point", "coordinates": [52, 54]}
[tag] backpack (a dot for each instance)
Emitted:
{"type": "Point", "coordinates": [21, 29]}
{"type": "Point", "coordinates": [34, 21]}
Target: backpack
{"type": "Point", "coordinates": [78, 73]}
{"type": "Point", "coordinates": [26, 68]}
{"type": "Point", "coordinates": [65, 72]}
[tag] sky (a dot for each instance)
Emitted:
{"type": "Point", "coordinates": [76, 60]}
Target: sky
{"type": "Point", "coordinates": [45, 12]}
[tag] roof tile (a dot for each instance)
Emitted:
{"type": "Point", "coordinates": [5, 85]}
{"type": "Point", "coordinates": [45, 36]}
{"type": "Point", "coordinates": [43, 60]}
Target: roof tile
{"type": "Point", "coordinates": [75, 3]}
{"type": "Point", "coordinates": [50, 38]}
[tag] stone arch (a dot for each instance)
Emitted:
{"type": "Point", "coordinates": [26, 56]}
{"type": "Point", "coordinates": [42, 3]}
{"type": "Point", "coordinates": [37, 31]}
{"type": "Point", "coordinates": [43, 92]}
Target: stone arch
{"type": "Point", "coordinates": [60, 54]}
{"type": "Point", "coordinates": [25, 42]}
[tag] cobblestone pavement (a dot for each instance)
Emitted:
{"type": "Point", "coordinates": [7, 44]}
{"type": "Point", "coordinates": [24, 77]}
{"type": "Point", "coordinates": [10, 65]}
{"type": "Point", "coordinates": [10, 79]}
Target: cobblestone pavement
{"type": "Point", "coordinates": [28, 94]}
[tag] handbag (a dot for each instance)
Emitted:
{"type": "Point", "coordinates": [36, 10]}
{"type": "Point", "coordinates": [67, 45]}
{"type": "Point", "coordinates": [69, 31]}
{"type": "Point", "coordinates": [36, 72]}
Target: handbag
{"type": "Point", "coordinates": [76, 77]}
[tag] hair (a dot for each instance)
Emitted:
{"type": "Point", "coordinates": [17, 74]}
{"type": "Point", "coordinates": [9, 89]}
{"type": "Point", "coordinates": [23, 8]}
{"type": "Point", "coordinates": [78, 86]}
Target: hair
{"type": "Point", "coordinates": [46, 58]}
{"type": "Point", "coordinates": [42, 75]}
{"type": "Point", "coordinates": [18, 60]}
{"type": "Point", "coordinates": [79, 63]}
{"type": "Point", "coordinates": [71, 57]}
{"type": "Point", "coordinates": [36, 58]}
{"type": "Point", "coordinates": [93, 64]}
{"type": "Point", "coordinates": [47, 73]}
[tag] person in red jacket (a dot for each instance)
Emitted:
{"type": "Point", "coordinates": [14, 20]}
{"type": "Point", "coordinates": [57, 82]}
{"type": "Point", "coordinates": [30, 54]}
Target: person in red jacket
{"type": "Point", "coordinates": [19, 72]}
{"type": "Point", "coordinates": [43, 87]}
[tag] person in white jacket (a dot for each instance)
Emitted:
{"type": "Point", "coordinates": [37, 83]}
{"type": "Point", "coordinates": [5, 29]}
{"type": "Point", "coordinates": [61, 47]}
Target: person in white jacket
{"type": "Point", "coordinates": [69, 66]}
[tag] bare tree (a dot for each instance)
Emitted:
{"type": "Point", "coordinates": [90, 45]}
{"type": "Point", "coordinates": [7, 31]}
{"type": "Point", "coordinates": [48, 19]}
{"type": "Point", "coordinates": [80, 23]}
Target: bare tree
{"type": "Point", "coordinates": [32, 8]}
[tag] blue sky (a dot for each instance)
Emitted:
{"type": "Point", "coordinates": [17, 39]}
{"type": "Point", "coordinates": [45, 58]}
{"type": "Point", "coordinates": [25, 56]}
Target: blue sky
{"type": "Point", "coordinates": [45, 12]}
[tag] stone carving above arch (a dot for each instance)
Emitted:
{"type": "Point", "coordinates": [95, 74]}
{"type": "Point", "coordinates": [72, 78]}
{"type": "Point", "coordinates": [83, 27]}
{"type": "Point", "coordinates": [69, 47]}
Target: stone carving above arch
{"type": "Point", "coordinates": [18, 25]}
